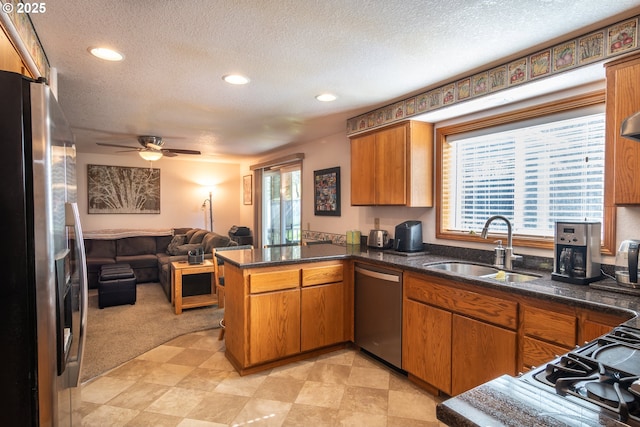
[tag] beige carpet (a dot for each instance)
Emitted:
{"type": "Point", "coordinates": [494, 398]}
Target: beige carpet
{"type": "Point", "coordinates": [118, 334]}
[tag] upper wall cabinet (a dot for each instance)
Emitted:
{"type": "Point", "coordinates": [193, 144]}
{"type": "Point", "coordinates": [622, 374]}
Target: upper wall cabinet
{"type": "Point", "coordinates": [393, 166]}
{"type": "Point", "coordinates": [9, 58]}
{"type": "Point", "coordinates": [623, 99]}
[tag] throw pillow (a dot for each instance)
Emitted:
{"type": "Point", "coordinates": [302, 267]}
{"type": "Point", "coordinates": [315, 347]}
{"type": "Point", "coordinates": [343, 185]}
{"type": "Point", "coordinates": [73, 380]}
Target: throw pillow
{"type": "Point", "coordinates": [178, 239]}
{"type": "Point", "coordinates": [198, 236]}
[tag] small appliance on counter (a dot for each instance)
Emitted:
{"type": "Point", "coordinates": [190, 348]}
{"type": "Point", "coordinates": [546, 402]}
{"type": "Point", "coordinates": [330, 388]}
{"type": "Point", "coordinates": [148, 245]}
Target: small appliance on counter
{"type": "Point", "coordinates": [576, 257]}
{"type": "Point", "coordinates": [379, 239]}
{"type": "Point", "coordinates": [408, 237]}
{"type": "Point", "coordinates": [627, 264]}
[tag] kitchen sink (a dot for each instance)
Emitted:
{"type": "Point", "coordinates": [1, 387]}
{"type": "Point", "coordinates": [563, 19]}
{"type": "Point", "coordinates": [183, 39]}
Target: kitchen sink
{"type": "Point", "coordinates": [466, 268]}
{"type": "Point", "coordinates": [484, 271]}
{"type": "Point", "coordinates": [510, 277]}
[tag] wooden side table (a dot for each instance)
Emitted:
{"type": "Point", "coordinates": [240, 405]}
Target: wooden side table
{"type": "Point", "coordinates": [183, 268]}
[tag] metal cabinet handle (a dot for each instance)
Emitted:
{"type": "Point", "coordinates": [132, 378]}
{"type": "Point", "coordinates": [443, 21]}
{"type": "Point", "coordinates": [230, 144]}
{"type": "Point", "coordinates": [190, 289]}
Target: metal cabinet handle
{"type": "Point", "coordinates": [378, 275]}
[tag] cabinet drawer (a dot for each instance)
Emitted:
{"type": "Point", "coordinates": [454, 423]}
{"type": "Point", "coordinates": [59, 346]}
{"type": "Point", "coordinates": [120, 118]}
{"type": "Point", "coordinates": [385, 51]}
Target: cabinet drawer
{"type": "Point", "coordinates": [537, 353]}
{"type": "Point", "coordinates": [479, 306]}
{"type": "Point", "coordinates": [320, 275]}
{"type": "Point", "coordinates": [550, 326]}
{"type": "Point", "coordinates": [273, 281]}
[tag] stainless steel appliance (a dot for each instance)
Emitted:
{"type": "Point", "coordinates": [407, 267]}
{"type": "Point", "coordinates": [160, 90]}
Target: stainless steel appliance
{"type": "Point", "coordinates": [601, 376]}
{"type": "Point", "coordinates": [379, 239]}
{"type": "Point", "coordinates": [378, 312]}
{"type": "Point", "coordinates": [44, 287]}
{"type": "Point", "coordinates": [408, 237]}
{"type": "Point", "coordinates": [577, 252]}
{"type": "Point", "coordinates": [626, 269]}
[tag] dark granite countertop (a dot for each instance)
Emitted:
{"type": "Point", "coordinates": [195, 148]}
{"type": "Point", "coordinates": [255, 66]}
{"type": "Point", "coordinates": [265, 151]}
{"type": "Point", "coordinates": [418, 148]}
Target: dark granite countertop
{"type": "Point", "coordinates": [585, 296]}
{"type": "Point", "coordinates": [505, 401]}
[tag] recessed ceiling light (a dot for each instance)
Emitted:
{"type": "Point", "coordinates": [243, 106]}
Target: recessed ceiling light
{"type": "Point", "coordinates": [106, 54]}
{"type": "Point", "coordinates": [235, 79]}
{"type": "Point", "coordinates": [326, 97]}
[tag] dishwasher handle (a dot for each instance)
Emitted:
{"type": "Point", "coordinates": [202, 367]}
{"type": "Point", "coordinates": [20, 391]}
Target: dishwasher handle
{"type": "Point", "coordinates": [382, 276]}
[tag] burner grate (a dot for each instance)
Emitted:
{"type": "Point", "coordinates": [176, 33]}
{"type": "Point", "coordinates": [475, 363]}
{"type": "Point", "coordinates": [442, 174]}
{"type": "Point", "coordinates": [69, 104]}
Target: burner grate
{"type": "Point", "coordinates": [605, 372]}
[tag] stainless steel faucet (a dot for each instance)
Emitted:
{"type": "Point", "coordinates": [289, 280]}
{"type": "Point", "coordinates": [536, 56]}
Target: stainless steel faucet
{"type": "Point", "coordinates": [509, 256]}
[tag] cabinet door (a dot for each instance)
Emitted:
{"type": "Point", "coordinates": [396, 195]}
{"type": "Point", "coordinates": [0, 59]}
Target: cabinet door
{"type": "Point", "coordinates": [623, 99]}
{"type": "Point", "coordinates": [426, 344]}
{"type": "Point", "coordinates": [480, 353]}
{"type": "Point", "coordinates": [274, 325]}
{"type": "Point", "coordinates": [391, 166]}
{"type": "Point", "coordinates": [322, 317]}
{"type": "Point", "coordinates": [363, 170]}
{"type": "Point", "coordinates": [594, 324]}
{"type": "Point", "coordinates": [537, 353]}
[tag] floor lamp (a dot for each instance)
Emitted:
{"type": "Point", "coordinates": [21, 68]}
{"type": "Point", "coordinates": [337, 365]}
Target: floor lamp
{"type": "Point", "coordinates": [204, 205]}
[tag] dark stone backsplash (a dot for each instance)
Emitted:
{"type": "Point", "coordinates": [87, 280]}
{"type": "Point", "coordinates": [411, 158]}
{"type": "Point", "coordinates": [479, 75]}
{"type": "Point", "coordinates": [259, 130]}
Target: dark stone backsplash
{"type": "Point", "coordinates": [528, 262]}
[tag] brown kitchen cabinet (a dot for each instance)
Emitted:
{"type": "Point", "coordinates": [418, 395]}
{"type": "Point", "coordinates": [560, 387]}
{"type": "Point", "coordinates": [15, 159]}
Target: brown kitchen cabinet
{"type": "Point", "coordinates": [323, 301]}
{"type": "Point", "coordinates": [480, 352]}
{"type": "Point", "coordinates": [393, 166]}
{"type": "Point", "coordinates": [454, 337]}
{"type": "Point", "coordinates": [623, 155]}
{"type": "Point", "coordinates": [10, 59]}
{"type": "Point", "coordinates": [545, 335]}
{"type": "Point", "coordinates": [277, 314]}
{"type": "Point", "coordinates": [274, 325]}
{"type": "Point", "coordinates": [594, 324]}
{"type": "Point", "coordinates": [550, 329]}
{"type": "Point", "coordinates": [426, 351]}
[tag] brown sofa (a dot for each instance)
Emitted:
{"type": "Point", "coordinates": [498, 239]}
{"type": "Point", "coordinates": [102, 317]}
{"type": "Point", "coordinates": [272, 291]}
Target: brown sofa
{"type": "Point", "coordinates": [150, 256]}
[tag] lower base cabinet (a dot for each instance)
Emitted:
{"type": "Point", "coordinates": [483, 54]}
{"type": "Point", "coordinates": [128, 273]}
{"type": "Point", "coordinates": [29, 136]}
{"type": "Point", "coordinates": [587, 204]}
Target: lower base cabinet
{"type": "Point", "coordinates": [426, 351]}
{"type": "Point", "coordinates": [480, 352]}
{"type": "Point", "coordinates": [274, 325]}
{"type": "Point", "coordinates": [455, 338]}
{"type": "Point", "coordinates": [322, 316]}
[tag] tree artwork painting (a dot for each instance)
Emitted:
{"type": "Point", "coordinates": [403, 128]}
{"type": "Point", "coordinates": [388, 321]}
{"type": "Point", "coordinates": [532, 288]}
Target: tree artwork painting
{"type": "Point", "coordinates": [123, 190]}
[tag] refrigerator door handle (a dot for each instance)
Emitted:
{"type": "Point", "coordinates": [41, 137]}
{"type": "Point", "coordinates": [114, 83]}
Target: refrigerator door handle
{"type": "Point", "coordinates": [72, 217]}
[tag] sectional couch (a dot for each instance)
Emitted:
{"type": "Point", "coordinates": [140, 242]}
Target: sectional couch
{"type": "Point", "coordinates": [150, 256]}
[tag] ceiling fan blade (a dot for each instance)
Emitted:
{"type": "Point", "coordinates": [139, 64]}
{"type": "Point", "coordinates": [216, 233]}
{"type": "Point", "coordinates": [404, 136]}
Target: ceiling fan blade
{"type": "Point", "coordinates": [168, 153]}
{"type": "Point", "coordinates": [179, 151]}
{"type": "Point", "coordinates": [104, 144]}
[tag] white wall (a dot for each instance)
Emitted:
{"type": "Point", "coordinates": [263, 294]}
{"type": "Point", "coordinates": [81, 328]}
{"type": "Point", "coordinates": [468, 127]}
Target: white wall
{"type": "Point", "coordinates": [182, 195]}
{"type": "Point", "coordinates": [183, 188]}
{"type": "Point", "coordinates": [335, 151]}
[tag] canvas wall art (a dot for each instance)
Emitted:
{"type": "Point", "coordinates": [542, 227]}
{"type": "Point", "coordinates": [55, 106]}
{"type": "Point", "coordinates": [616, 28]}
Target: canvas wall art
{"type": "Point", "coordinates": [123, 190]}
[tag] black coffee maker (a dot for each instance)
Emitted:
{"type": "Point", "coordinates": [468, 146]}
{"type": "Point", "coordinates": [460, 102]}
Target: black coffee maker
{"type": "Point", "coordinates": [577, 252]}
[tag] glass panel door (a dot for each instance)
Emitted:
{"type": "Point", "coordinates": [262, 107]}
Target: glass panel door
{"type": "Point", "coordinates": [281, 213]}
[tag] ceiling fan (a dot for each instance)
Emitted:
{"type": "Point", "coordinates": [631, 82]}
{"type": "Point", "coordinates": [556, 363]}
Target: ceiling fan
{"type": "Point", "coordinates": [152, 148]}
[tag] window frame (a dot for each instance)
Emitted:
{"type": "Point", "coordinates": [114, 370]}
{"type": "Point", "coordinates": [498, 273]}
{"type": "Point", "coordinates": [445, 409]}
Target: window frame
{"type": "Point", "coordinates": [545, 109]}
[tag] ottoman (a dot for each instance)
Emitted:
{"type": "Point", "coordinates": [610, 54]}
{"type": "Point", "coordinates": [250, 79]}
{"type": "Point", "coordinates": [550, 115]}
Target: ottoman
{"type": "Point", "coordinates": [116, 285]}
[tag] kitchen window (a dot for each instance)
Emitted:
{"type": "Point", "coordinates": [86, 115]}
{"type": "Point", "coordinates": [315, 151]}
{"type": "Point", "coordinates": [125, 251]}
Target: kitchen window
{"type": "Point", "coordinates": [534, 166]}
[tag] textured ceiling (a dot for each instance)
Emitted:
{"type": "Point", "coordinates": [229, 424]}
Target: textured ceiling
{"type": "Point", "coordinates": [366, 52]}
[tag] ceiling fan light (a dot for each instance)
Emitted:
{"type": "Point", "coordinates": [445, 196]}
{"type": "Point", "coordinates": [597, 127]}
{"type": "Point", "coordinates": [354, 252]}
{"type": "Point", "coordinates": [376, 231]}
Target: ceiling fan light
{"type": "Point", "coordinates": [150, 155]}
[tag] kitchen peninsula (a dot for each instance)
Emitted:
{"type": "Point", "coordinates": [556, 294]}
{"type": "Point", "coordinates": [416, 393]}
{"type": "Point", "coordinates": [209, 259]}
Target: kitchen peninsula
{"type": "Point", "coordinates": [289, 303]}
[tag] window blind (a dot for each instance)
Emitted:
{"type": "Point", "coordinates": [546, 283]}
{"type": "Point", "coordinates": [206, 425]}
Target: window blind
{"type": "Point", "coordinates": [534, 173]}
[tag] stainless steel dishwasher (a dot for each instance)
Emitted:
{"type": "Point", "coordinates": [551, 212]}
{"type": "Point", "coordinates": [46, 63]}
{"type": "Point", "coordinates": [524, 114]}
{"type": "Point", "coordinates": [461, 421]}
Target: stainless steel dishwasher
{"type": "Point", "coordinates": [378, 312]}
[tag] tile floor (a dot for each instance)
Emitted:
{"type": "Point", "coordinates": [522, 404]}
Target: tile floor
{"type": "Point", "coordinates": [188, 382]}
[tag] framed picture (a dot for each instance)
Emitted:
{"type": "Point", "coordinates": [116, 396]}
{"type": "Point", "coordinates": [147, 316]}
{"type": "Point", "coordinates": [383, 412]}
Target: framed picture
{"type": "Point", "coordinates": [123, 190]}
{"type": "Point", "coordinates": [326, 183]}
{"type": "Point", "coordinates": [247, 187]}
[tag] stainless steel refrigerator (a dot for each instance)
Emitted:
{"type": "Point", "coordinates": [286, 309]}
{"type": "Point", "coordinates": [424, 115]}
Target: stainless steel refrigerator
{"type": "Point", "coordinates": [43, 285]}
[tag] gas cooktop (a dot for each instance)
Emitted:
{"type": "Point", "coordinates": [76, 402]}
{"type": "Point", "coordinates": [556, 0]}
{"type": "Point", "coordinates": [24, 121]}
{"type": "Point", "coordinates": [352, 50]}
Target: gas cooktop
{"type": "Point", "coordinates": [603, 375]}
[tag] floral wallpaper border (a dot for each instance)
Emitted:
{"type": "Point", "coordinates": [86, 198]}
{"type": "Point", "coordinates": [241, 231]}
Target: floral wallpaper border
{"type": "Point", "coordinates": [23, 26]}
{"type": "Point", "coordinates": [608, 42]}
